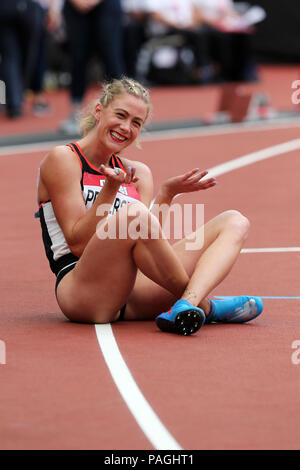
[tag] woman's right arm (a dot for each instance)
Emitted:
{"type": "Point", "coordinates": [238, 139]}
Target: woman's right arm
{"type": "Point", "coordinates": [60, 175]}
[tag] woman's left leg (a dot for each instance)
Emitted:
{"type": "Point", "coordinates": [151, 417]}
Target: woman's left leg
{"type": "Point", "coordinates": [224, 237]}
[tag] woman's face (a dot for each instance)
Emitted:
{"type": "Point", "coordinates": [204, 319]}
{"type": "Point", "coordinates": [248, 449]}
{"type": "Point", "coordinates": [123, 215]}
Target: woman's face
{"type": "Point", "coordinates": [120, 122]}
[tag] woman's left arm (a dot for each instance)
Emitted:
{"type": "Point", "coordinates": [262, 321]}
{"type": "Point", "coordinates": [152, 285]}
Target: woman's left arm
{"type": "Point", "coordinates": [191, 181]}
{"type": "Point", "coordinates": [188, 182]}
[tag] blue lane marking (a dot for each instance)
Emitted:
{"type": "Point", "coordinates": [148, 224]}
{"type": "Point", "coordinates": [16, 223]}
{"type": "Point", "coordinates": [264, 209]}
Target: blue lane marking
{"type": "Point", "coordinates": [286, 298]}
{"type": "Point", "coordinates": [262, 297]}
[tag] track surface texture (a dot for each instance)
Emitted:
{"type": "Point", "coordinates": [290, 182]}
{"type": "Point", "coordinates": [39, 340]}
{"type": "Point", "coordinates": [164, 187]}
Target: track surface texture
{"type": "Point", "coordinates": [227, 387]}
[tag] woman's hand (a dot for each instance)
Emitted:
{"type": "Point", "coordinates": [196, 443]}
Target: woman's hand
{"type": "Point", "coordinates": [189, 182]}
{"type": "Point", "coordinates": [116, 176]}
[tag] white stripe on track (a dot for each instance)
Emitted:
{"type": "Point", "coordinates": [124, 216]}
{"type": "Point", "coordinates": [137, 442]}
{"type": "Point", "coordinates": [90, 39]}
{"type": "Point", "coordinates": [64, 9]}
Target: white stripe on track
{"type": "Point", "coordinates": [231, 128]}
{"type": "Point", "coordinates": [20, 149]}
{"type": "Point", "coordinates": [287, 249]}
{"type": "Point", "coordinates": [254, 157]}
{"type": "Point", "coordinates": [171, 134]}
{"type": "Point", "coordinates": [145, 417]}
{"type": "Point", "coordinates": [148, 421]}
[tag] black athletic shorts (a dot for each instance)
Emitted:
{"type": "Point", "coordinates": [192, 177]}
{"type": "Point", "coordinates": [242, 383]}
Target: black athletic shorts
{"type": "Point", "coordinates": [69, 268]}
{"type": "Point", "coordinates": [63, 272]}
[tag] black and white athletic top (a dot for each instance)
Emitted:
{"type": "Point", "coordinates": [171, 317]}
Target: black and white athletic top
{"type": "Point", "coordinates": [92, 180]}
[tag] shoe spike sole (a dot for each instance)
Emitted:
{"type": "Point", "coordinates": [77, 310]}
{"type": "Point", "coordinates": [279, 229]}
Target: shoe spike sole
{"type": "Point", "coordinates": [186, 323]}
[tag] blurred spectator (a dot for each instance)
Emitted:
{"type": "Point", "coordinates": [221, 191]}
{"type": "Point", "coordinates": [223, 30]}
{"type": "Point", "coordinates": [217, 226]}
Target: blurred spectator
{"type": "Point", "coordinates": [134, 21]}
{"type": "Point", "coordinates": [166, 15]}
{"type": "Point", "coordinates": [49, 20]}
{"type": "Point", "coordinates": [229, 30]}
{"type": "Point", "coordinates": [91, 26]}
{"type": "Point", "coordinates": [169, 17]}
{"type": "Point", "coordinates": [22, 50]}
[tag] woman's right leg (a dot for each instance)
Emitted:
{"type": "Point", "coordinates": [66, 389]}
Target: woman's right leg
{"type": "Point", "coordinates": [99, 285]}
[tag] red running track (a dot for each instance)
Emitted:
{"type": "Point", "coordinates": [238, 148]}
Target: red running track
{"type": "Point", "coordinates": [227, 387]}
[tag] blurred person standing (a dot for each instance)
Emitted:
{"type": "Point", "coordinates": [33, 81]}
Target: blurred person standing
{"type": "Point", "coordinates": [134, 24]}
{"type": "Point", "coordinates": [22, 49]}
{"type": "Point", "coordinates": [91, 26]}
{"type": "Point", "coordinates": [49, 20]}
{"type": "Point", "coordinates": [169, 17]}
{"type": "Point", "coordinates": [18, 24]}
{"type": "Point", "coordinates": [229, 34]}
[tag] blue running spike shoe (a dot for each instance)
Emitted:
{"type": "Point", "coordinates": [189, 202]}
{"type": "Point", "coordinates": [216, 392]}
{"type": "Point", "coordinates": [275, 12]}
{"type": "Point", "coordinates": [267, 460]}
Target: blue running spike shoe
{"type": "Point", "coordinates": [239, 309]}
{"type": "Point", "coordinates": [182, 318]}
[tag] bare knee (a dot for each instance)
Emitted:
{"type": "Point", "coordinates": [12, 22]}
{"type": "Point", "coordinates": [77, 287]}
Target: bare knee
{"type": "Point", "coordinates": [237, 224]}
{"type": "Point", "coordinates": [92, 317]}
{"type": "Point", "coordinates": [134, 217]}
{"type": "Point", "coordinates": [140, 223]}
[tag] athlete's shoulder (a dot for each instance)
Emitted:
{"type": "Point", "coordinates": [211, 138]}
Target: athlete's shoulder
{"type": "Point", "coordinates": [60, 160]}
{"type": "Point", "coordinates": [61, 154]}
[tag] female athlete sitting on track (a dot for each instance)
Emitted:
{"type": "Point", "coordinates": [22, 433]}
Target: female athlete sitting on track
{"type": "Point", "coordinates": [100, 278]}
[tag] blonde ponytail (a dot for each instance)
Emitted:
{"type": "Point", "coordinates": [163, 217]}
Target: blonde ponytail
{"type": "Point", "coordinates": [110, 91]}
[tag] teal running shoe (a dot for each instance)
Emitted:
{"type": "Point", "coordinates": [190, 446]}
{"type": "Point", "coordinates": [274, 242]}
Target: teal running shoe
{"type": "Point", "coordinates": [183, 318]}
{"type": "Point", "coordinates": [239, 309]}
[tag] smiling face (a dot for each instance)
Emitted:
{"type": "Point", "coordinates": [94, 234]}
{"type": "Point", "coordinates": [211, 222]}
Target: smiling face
{"type": "Point", "coordinates": [120, 123]}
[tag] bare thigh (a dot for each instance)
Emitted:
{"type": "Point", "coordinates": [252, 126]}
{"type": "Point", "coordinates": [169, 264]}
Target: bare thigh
{"type": "Point", "coordinates": [99, 285]}
{"type": "Point", "coordinates": [147, 299]}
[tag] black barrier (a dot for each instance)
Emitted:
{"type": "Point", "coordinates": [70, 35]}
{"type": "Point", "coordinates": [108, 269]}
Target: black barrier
{"type": "Point", "coordinates": [277, 38]}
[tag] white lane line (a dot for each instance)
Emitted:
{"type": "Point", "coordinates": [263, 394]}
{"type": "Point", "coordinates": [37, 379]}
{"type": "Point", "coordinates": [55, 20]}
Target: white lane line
{"type": "Point", "coordinates": [159, 135]}
{"type": "Point", "coordinates": [107, 342]}
{"type": "Point", "coordinates": [21, 149]}
{"type": "Point", "coordinates": [146, 418]}
{"type": "Point", "coordinates": [148, 421]}
{"type": "Point", "coordinates": [231, 128]}
{"type": "Point", "coordinates": [287, 249]}
{"type": "Point", "coordinates": [254, 157]}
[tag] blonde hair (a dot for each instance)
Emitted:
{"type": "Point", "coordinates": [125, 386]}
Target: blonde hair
{"type": "Point", "coordinates": [110, 91]}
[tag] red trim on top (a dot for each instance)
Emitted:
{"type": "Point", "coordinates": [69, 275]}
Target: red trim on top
{"type": "Point", "coordinates": [120, 162]}
{"type": "Point", "coordinates": [74, 150]}
{"type": "Point", "coordinates": [115, 159]}
{"type": "Point", "coordinates": [87, 161]}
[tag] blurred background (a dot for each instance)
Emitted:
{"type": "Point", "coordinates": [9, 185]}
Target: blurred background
{"type": "Point", "coordinates": [55, 54]}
